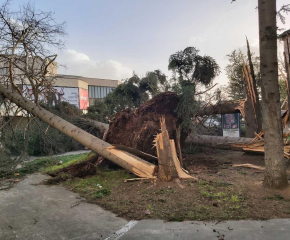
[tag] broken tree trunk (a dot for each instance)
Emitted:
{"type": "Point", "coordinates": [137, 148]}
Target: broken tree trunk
{"type": "Point", "coordinates": [126, 160]}
{"type": "Point", "coordinates": [220, 108]}
{"type": "Point", "coordinates": [166, 166]}
{"type": "Point", "coordinates": [255, 96]}
{"type": "Point", "coordinates": [250, 104]}
{"type": "Point", "coordinates": [179, 169]}
{"type": "Point", "coordinates": [103, 127]}
{"type": "Point", "coordinates": [286, 39]}
{"type": "Point", "coordinates": [216, 141]}
{"type": "Point", "coordinates": [169, 166]}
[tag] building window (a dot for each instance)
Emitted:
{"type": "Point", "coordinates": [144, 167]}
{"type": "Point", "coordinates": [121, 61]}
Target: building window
{"type": "Point", "coordinates": [99, 92]}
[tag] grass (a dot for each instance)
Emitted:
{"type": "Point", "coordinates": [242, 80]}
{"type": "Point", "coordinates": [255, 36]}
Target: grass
{"type": "Point", "coordinates": [99, 185]}
{"type": "Point", "coordinates": [49, 164]}
{"type": "Point", "coordinates": [235, 198]}
{"type": "Point", "coordinates": [204, 200]}
{"type": "Point", "coordinates": [64, 161]}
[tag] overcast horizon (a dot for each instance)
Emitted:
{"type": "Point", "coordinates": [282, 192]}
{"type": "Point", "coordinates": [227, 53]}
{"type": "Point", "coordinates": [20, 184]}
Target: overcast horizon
{"type": "Point", "coordinates": [112, 39]}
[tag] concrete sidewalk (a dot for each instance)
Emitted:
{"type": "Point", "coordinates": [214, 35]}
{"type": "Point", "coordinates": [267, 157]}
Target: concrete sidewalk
{"type": "Point", "coordinates": [30, 211]}
{"type": "Point", "coordinates": [232, 230]}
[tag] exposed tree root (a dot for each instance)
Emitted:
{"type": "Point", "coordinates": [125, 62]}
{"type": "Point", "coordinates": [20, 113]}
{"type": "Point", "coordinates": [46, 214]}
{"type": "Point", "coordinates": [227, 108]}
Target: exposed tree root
{"type": "Point", "coordinates": [81, 169]}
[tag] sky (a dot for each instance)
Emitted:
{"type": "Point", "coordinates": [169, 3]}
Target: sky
{"type": "Point", "coordinates": [111, 39]}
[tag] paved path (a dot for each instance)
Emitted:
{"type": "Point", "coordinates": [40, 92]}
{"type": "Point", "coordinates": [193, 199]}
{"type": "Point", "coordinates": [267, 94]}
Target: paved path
{"type": "Point", "coordinates": [40, 212]}
{"type": "Point", "coordinates": [30, 212]}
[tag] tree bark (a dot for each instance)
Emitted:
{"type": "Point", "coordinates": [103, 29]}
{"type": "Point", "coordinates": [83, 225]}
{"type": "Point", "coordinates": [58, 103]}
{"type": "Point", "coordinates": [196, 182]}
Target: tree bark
{"type": "Point", "coordinates": [275, 174]}
{"type": "Point", "coordinates": [216, 141]}
{"type": "Point", "coordinates": [124, 159]}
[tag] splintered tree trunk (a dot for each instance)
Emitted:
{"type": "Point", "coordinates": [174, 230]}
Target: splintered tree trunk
{"type": "Point", "coordinates": [250, 105]}
{"type": "Point", "coordinates": [287, 65]}
{"type": "Point", "coordinates": [250, 120]}
{"type": "Point", "coordinates": [256, 106]}
{"type": "Point", "coordinates": [169, 166]}
{"type": "Point", "coordinates": [124, 159]}
{"type": "Point", "coordinates": [166, 167]}
{"type": "Point", "coordinates": [275, 174]}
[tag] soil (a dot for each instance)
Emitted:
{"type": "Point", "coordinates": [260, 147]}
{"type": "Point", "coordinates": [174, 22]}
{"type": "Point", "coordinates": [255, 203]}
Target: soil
{"type": "Point", "coordinates": [223, 192]}
{"type": "Point", "coordinates": [138, 129]}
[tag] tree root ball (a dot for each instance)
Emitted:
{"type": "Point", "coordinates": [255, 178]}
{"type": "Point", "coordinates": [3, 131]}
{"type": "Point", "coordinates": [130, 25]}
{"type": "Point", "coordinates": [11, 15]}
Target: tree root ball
{"type": "Point", "coordinates": [139, 128]}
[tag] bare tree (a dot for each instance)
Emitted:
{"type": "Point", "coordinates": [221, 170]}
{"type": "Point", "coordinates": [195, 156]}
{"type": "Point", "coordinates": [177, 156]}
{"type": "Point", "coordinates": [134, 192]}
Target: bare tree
{"type": "Point", "coordinates": [28, 42]}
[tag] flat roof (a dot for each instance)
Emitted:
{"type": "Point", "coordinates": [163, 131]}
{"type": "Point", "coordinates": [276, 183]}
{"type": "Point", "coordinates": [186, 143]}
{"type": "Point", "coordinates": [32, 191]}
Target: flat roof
{"type": "Point", "coordinates": [74, 76]}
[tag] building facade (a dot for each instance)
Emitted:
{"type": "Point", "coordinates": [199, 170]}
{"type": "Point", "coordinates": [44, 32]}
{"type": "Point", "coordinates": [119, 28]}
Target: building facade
{"type": "Point", "coordinates": [76, 90]}
{"type": "Point", "coordinates": [90, 89]}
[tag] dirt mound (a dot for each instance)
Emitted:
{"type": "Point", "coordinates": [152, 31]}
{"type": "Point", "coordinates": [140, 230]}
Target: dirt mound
{"type": "Point", "coordinates": [138, 129]}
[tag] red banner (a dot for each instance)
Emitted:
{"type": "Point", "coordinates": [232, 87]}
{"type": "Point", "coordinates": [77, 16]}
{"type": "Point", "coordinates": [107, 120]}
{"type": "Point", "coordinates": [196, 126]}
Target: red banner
{"type": "Point", "coordinates": [84, 98]}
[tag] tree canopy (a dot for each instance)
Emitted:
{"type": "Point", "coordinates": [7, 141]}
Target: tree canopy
{"type": "Point", "coordinates": [131, 93]}
{"type": "Point", "coordinates": [234, 72]}
{"type": "Point", "coordinates": [193, 68]}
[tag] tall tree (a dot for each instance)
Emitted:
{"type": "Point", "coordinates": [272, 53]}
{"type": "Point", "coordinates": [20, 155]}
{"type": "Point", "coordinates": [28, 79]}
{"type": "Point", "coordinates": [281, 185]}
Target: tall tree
{"type": "Point", "coordinates": [191, 69]}
{"type": "Point", "coordinates": [275, 175]}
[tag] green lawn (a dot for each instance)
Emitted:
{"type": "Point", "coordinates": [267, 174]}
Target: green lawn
{"type": "Point", "coordinates": [50, 164]}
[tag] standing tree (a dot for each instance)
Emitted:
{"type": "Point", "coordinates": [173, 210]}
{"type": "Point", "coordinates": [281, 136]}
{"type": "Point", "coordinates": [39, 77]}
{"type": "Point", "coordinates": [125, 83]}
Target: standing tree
{"type": "Point", "coordinates": [275, 175]}
{"type": "Point", "coordinates": [191, 69]}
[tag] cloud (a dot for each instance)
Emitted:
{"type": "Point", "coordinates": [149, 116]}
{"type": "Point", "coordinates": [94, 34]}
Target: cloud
{"type": "Point", "coordinates": [194, 39]}
{"type": "Point", "coordinates": [81, 65]}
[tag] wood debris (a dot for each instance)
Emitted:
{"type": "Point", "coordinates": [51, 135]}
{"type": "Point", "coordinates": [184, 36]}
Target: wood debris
{"type": "Point", "coordinates": [257, 144]}
{"type": "Point", "coordinates": [169, 167]}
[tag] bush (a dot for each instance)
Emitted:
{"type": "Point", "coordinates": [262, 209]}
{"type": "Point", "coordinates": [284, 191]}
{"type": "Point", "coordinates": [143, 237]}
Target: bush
{"type": "Point", "coordinates": [36, 141]}
{"type": "Point", "coordinates": [7, 163]}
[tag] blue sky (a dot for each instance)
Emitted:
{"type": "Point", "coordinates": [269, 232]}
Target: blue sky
{"type": "Point", "coordinates": [113, 38]}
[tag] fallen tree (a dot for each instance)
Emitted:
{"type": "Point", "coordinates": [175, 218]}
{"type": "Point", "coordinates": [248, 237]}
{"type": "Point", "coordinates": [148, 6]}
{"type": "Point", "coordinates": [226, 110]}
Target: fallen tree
{"type": "Point", "coordinates": [220, 108]}
{"type": "Point", "coordinates": [124, 159]}
{"type": "Point", "coordinates": [217, 141]}
{"type": "Point", "coordinates": [137, 129]}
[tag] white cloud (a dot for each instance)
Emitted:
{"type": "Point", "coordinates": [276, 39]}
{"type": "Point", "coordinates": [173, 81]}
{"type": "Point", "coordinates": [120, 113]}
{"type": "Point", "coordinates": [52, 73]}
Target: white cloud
{"type": "Point", "coordinates": [80, 64]}
{"type": "Point", "coordinates": [194, 39]}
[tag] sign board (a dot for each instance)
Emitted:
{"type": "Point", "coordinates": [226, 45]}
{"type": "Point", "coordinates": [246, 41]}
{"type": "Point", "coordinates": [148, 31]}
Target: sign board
{"type": "Point", "coordinates": [84, 98]}
{"type": "Point", "coordinates": [231, 125]}
{"type": "Point", "coordinates": [63, 94]}
{"type": "Point", "coordinates": [68, 94]}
